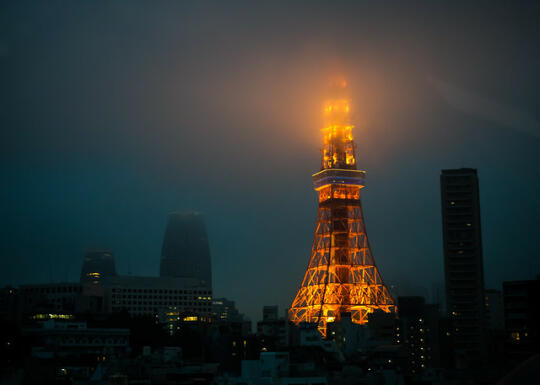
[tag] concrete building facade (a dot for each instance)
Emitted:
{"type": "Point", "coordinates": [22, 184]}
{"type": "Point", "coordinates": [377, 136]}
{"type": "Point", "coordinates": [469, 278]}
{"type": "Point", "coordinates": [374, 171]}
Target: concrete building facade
{"type": "Point", "coordinates": [463, 263]}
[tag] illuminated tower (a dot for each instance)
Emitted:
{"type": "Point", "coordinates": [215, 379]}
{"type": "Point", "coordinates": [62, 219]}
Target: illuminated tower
{"type": "Point", "coordinates": [341, 276]}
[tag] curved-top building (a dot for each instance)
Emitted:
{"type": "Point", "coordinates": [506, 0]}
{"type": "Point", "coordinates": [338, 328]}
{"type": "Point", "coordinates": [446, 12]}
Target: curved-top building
{"type": "Point", "coordinates": [185, 252]}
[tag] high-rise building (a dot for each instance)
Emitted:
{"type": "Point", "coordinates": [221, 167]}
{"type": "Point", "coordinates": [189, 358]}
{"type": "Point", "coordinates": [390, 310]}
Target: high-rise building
{"type": "Point", "coordinates": [53, 298]}
{"type": "Point", "coordinates": [225, 310]}
{"type": "Point", "coordinates": [185, 252]}
{"type": "Point", "coordinates": [273, 329]}
{"type": "Point", "coordinates": [463, 263]}
{"type": "Point", "coordinates": [522, 318]}
{"type": "Point", "coordinates": [419, 333]}
{"type": "Point", "coordinates": [97, 264]}
{"type": "Point", "coordinates": [147, 296]}
{"type": "Point", "coordinates": [341, 276]}
{"type": "Point", "coordinates": [494, 309]}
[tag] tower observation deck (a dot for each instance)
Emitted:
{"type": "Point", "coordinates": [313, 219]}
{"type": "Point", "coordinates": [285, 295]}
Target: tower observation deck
{"type": "Point", "coordinates": [341, 275]}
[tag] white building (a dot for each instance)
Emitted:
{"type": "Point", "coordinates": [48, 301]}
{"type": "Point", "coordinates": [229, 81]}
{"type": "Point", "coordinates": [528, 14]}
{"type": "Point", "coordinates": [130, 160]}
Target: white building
{"type": "Point", "coordinates": [68, 337]}
{"type": "Point", "coordinates": [157, 296]}
{"type": "Point", "coordinates": [271, 369]}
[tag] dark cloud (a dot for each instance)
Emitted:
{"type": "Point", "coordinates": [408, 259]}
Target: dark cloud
{"type": "Point", "coordinates": [486, 108]}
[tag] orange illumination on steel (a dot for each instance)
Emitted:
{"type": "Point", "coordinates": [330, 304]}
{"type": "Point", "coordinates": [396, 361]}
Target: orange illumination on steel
{"type": "Point", "coordinates": [338, 145]}
{"type": "Point", "coordinates": [341, 275]}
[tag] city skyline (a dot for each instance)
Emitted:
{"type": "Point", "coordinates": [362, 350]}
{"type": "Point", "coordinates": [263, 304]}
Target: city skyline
{"type": "Point", "coordinates": [225, 124]}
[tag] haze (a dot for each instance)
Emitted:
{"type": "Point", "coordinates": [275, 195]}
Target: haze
{"type": "Point", "coordinates": [115, 113]}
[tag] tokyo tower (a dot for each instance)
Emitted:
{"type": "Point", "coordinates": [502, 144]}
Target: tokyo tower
{"type": "Point", "coordinates": [341, 276]}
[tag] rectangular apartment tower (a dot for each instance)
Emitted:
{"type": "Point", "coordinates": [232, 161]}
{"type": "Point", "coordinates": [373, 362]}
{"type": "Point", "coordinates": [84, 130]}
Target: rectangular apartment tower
{"type": "Point", "coordinates": [463, 265]}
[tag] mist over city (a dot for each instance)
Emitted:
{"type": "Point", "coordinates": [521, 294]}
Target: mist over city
{"type": "Point", "coordinates": [198, 182]}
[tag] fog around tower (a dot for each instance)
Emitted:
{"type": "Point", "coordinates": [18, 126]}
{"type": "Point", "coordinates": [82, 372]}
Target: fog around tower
{"type": "Point", "coordinates": [224, 118]}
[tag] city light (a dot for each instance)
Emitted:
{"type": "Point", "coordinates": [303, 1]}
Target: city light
{"type": "Point", "coordinates": [341, 275]}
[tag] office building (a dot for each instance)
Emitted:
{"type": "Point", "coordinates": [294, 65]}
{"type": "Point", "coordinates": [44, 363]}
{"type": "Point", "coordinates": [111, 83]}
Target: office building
{"type": "Point", "coordinates": [224, 310]}
{"type": "Point", "coordinates": [273, 329]}
{"type": "Point", "coordinates": [185, 252]}
{"type": "Point", "coordinates": [463, 264]}
{"type": "Point", "coordinates": [158, 296]}
{"type": "Point", "coordinates": [73, 337]}
{"type": "Point", "coordinates": [54, 298]}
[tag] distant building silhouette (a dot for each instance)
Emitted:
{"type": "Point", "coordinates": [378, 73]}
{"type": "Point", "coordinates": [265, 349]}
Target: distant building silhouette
{"type": "Point", "coordinates": [225, 310]}
{"type": "Point", "coordinates": [227, 317]}
{"type": "Point", "coordinates": [522, 318]}
{"type": "Point", "coordinates": [185, 252]}
{"type": "Point", "coordinates": [419, 333]}
{"type": "Point", "coordinates": [463, 263]}
{"type": "Point", "coordinates": [273, 329]}
{"type": "Point", "coordinates": [53, 299]}
{"type": "Point", "coordinates": [158, 296]}
{"type": "Point", "coordinates": [494, 309]}
{"type": "Point", "coordinates": [97, 264]}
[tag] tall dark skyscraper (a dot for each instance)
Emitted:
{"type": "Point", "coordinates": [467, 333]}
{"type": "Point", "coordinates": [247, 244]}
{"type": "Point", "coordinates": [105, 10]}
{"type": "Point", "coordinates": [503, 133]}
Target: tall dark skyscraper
{"type": "Point", "coordinates": [463, 262]}
{"type": "Point", "coordinates": [185, 252]}
{"type": "Point", "coordinates": [97, 264]}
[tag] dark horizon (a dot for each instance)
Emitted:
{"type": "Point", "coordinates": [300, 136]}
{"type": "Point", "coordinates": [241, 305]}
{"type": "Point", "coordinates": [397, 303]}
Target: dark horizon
{"type": "Point", "coordinates": [113, 115]}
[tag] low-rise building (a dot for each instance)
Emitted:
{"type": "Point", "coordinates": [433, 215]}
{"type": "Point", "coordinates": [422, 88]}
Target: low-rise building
{"type": "Point", "coordinates": [158, 296]}
{"type": "Point", "coordinates": [272, 368]}
{"type": "Point", "coordinates": [419, 333]}
{"type": "Point", "coordinates": [56, 338]}
{"type": "Point", "coordinates": [273, 329]}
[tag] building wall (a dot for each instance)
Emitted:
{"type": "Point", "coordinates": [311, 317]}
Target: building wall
{"type": "Point", "coordinates": [522, 318]}
{"type": "Point", "coordinates": [419, 333]}
{"type": "Point", "coordinates": [76, 336]}
{"type": "Point", "coordinates": [463, 263]}
{"type": "Point", "coordinates": [50, 297]}
{"type": "Point", "coordinates": [185, 252]}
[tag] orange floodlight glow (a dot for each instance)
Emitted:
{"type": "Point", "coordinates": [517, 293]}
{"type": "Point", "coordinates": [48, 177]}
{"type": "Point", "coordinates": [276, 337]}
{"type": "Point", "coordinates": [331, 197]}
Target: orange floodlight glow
{"type": "Point", "coordinates": [341, 276]}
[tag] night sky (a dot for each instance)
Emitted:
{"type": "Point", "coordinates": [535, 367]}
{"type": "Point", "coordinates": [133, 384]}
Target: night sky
{"type": "Point", "coordinates": [115, 113]}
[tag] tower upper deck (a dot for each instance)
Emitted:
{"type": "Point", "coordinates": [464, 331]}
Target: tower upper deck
{"type": "Point", "coordinates": [338, 159]}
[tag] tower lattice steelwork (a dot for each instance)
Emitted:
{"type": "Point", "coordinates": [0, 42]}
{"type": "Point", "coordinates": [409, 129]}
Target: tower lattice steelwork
{"type": "Point", "coordinates": [341, 276]}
